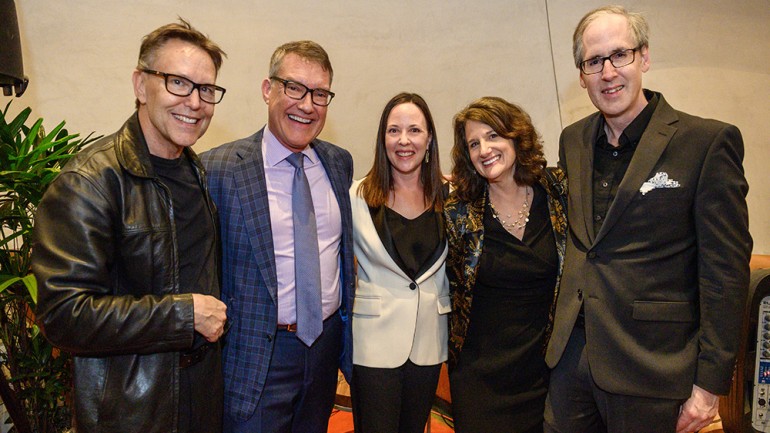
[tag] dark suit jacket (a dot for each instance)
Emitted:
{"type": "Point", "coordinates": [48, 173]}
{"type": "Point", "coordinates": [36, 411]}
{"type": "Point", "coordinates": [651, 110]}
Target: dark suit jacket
{"type": "Point", "coordinates": [665, 280]}
{"type": "Point", "coordinates": [249, 283]}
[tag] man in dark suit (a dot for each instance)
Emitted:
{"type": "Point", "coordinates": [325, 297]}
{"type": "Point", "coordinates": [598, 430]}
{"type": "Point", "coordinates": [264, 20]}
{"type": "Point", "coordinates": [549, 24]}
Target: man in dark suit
{"type": "Point", "coordinates": [276, 380]}
{"type": "Point", "coordinates": [656, 268]}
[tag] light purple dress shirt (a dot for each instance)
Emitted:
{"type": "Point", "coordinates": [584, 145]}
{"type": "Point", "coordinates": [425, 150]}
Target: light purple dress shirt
{"type": "Point", "coordinates": [279, 175]}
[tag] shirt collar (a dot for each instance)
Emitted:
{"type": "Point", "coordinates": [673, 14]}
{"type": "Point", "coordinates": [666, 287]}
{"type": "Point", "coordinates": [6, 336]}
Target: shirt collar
{"type": "Point", "coordinates": [633, 132]}
{"type": "Point", "coordinates": [276, 153]}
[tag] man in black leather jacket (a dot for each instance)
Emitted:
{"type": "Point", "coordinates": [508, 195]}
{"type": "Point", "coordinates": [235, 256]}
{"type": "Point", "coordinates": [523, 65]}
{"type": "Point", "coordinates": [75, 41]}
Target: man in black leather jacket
{"type": "Point", "coordinates": [127, 254]}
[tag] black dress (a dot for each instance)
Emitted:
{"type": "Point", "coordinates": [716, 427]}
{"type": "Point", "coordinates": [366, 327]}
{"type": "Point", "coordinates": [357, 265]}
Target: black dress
{"type": "Point", "coordinates": [501, 379]}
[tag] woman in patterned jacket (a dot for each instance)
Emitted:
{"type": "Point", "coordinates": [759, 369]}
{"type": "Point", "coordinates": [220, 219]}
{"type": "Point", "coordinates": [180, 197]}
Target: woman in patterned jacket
{"type": "Point", "coordinates": [506, 231]}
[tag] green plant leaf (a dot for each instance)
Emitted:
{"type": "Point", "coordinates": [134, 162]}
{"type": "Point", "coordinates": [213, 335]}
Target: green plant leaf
{"type": "Point", "coordinates": [16, 124]}
{"type": "Point", "coordinates": [31, 282]}
{"type": "Point", "coordinates": [8, 282]}
{"type": "Point", "coordinates": [30, 159]}
{"type": "Point", "coordinates": [28, 141]}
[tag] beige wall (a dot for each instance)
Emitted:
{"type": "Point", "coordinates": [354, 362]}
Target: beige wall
{"type": "Point", "coordinates": [709, 57]}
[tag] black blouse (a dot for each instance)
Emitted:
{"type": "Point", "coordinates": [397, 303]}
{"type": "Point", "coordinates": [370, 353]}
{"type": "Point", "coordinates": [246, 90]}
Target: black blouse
{"type": "Point", "coordinates": [414, 244]}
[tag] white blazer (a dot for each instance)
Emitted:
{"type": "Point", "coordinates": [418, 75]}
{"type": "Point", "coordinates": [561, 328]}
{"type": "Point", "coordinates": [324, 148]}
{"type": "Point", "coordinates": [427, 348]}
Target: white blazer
{"type": "Point", "coordinates": [391, 321]}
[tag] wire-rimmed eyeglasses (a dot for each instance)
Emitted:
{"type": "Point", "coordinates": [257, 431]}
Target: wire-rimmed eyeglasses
{"type": "Point", "coordinates": [181, 86]}
{"type": "Point", "coordinates": [618, 59]}
{"type": "Point", "coordinates": [295, 90]}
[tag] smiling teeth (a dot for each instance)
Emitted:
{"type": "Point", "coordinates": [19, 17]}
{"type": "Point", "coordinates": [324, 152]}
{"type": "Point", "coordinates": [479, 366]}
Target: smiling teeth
{"type": "Point", "coordinates": [299, 119]}
{"type": "Point", "coordinates": [616, 89]}
{"type": "Point", "coordinates": [490, 161]}
{"type": "Point", "coordinates": [186, 119]}
{"type": "Point", "coordinates": [404, 153]}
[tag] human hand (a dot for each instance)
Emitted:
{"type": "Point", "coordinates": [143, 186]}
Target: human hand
{"type": "Point", "coordinates": [210, 315]}
{"type": "Point", "coordinates": [698, 411]}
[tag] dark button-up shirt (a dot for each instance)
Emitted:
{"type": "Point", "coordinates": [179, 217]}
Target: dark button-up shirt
{"type": "Point", "coordinates": [611, 162]}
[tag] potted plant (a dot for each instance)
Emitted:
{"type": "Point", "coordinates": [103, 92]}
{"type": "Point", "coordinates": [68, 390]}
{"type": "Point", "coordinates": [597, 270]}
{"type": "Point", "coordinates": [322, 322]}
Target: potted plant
{"type": "Point", "coordinates": [35, 376]}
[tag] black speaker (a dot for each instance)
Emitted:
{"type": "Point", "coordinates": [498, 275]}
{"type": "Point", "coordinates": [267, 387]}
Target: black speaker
{"type": "Point", "coordinates": [747, 408]}
{"type": "Point", "coordinates": [11, 66]}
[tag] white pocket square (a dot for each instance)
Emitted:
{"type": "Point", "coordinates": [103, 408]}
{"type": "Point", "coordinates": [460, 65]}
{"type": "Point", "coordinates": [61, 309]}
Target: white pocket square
{"type": "Point", "coordinates": [660, 180]}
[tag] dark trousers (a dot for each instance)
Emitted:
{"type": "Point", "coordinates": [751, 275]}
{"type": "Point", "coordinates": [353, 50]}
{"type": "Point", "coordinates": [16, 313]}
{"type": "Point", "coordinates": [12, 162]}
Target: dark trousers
{"type": "Point", "coordinates": [393, 400]}
{"type": "Point", "coordinates": [301, 384]}
{"type": "Point", "coordinates": [575, 404]}
{"type": "Point", "coordinates": [201, 395]}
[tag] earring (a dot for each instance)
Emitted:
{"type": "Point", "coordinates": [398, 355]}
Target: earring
{"type": "Point", "coordinates": [427, 155]}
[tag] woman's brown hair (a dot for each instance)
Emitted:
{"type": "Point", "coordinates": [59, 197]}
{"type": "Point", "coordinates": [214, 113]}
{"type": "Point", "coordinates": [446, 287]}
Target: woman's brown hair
{"type": "Point", "coordinates": [507, 120]}
{"type": "Point", "coordinates": [378, 183]}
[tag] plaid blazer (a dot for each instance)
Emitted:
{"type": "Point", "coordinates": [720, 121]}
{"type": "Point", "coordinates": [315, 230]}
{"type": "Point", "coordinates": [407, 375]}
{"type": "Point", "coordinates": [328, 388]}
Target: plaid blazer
{"type": "Point", "coordinates": [236, 178]}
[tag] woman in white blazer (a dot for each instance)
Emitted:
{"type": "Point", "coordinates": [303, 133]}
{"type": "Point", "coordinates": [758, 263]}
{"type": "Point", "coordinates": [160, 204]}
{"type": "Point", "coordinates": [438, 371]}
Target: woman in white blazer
{"type": "Point", "coordinates": [400, 332]}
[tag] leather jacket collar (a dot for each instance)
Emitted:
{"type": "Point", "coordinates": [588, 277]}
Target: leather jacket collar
{"type": "Point", "coordinates": [133, 153]}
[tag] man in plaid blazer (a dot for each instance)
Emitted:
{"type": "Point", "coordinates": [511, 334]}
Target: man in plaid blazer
{"type": "Point", "coordinates": [273, 381]}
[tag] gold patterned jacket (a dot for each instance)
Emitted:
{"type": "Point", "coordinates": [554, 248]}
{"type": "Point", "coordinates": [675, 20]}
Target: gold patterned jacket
{"type": "Point", "coordinates": [465, 235]}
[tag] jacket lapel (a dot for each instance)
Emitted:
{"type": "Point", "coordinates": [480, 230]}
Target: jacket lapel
{"type": "Point", "coordinates": [583, 224]}
{"type": "Point", "coordinates": [656, 137]}
{"type": "Point", "coordinates": [336, 174]}
{"type": "Point", "coordinates": [341, 177]}
{"type": "Point", "coordinates": [249, 176]}
{"type": "Point", "coordinates": [383, 232]}
{"type": "Point", "coordinates": [473, 238]}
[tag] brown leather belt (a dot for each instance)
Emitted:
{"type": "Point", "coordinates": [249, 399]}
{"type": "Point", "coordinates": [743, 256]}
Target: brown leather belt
{"type": "Point", "coordinates": [289, 328]}
{"type": "Point", "coordinates": [191, 358]}
{"type": "Point", "coordinates": [293, 327]}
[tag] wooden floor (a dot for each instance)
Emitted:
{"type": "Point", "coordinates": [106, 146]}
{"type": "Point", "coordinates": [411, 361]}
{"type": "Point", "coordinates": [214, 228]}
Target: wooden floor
{"type": "Point", "coordinates": [342, 422]}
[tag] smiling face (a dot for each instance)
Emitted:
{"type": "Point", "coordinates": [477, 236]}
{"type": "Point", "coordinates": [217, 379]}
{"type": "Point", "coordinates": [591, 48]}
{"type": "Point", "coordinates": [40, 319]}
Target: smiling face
{"type": "Point", "coordinates": [492, 155]}
{"type": "Point", "coordinates": [295, 123]}
{"type": "Point", "coordinates": [171, 123]}
{"type": "Point", "coordinates": [616, 92]}
{"type": "Point", "coordinates": [406, 139]}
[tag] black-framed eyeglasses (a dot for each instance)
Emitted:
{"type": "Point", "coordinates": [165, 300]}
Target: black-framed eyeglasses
{"type": "Point", "coordinates": [181, 86]}
{"type": "Point", "coordinates": [618, 59]}
{"type": "Point", "coordinates": [295, 90]}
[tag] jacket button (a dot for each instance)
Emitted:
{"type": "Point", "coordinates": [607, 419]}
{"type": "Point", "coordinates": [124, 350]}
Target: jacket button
{"type": "Point", "coordinates": [592, 255]}
{"type": "Point", "coordinates": [269, 338]}
{"type": "Point", "coordinates": [580, 294]}
{"type": "Point", "coordinates": [412, 286]}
